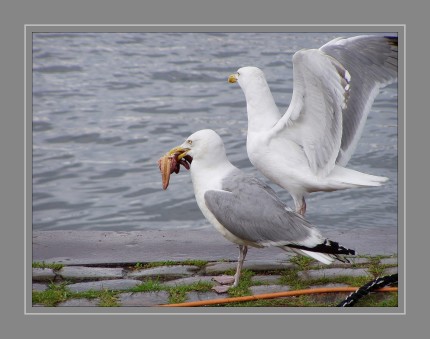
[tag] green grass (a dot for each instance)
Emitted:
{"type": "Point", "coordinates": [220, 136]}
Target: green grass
{"type": "Point", "coordinates": [300, 301]}
{"type": "Point", "coordinates": [138, 266]}
{"type": "Point", "coordinates": [159, 263]}
{"type": "Point", "coordinates": [177, 294]}
{"type": "Point", "coordinates": [108, 299]}
{"type": "Point", "coordinates": [379, 300]}
{"type": "Point", "coordinates": [52, 296]}
{"type": "Point", "coordinates": [57, 293]}
{"type": "Point", "coordinates": [291, 279]}
{"type": "Point", "coordinates": [303, 263]}
{"type": "Point", "coordinates": [376, 268]}
{"type": "Point", "coordinates": [149, 285]}
{"type": "Point", "coordinates": [54, 266]}
{"type": "Point", "coordinates": [372, 300]}
{"type": "Point", "coordinates": [196, 262]}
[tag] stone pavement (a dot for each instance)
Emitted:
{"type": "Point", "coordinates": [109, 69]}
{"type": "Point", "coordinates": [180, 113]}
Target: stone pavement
{"type": "Point", "coordinates": [266, 279]}
{"type": "Point", "coordinates": [115, 261]}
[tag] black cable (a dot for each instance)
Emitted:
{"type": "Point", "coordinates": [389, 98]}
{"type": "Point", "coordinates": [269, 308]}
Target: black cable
{"type": "Point", "coordinates": [367, 288]}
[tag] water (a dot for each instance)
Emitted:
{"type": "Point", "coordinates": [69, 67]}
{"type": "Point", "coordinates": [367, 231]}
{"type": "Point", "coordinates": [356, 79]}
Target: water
{"type": "Point", "coordinates": [106, 106]}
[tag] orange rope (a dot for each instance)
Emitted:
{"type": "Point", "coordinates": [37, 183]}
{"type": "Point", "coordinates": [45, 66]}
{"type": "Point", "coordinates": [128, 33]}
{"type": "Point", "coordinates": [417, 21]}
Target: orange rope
{"type": "Point", "coordinates": [273, 295]}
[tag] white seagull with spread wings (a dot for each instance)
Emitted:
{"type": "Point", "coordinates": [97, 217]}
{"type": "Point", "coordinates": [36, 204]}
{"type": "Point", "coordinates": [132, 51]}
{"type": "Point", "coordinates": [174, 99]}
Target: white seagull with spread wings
{"type": "Point", "coordinates": [305, 150]}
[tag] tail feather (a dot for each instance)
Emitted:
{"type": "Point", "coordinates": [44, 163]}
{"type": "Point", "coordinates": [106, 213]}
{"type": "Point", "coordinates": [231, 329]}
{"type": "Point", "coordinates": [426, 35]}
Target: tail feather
{"type": "Point", "coordinates": [348, 178]}
{"type": "Point", "coordinates": [325, 252]}
{"type": "Point", "coordinates": [321, 257]}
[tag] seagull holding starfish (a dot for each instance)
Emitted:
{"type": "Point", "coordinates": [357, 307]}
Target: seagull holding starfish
{"type": "Point", "coordinates": [242, 208]}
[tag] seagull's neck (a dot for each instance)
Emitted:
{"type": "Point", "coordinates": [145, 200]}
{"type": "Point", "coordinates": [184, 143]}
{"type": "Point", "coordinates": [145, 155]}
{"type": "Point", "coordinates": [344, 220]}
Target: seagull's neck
{"type": "Point", "coordinates": [207, 176]}
{"type": "Point", "coordinates": [263, 113]}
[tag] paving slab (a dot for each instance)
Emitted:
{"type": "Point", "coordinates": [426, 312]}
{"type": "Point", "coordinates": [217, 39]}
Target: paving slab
{"type": "Point", "coordinates": [80, 302]}
{"type": "Point", "coordinates": [115, 285]}
{"type": "Point", "coordinates": [39, 287]}
{"type": "Point", "coordinates": [199, 296]}
{"type": "Point", "coordinates": [353, 260]}
{"type": "Point", "coordinates": [90, 273]}
{"type": "Point", "coordinates": [268, 289]}
{"type": "Point", "coordinates": [388, 261]}
{"type": "Point", "coordinates": [43, 274]}
{"type": "Point", "coordinates": [266, 279]}
{"type": "Point", "coordinates": [164, 272]}
{"type": "Point", "coordinates": [333, 273]}
{"type": "Point", "coordinates": [143, 298]}
{"type": "Point", "coordinates": [189, 281]}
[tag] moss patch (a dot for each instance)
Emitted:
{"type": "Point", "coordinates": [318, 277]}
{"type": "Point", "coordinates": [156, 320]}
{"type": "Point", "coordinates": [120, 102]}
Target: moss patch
{"type": "Point", "coordinates": [54, 266]}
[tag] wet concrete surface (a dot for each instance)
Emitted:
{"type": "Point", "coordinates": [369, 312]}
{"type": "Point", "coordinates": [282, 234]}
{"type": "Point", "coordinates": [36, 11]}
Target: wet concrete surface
{"type": "Point", "coordinates": [98, 247]}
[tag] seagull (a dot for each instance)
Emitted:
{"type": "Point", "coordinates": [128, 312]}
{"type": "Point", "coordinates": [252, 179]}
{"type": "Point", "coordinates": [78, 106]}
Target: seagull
{"type": "Point", "coordinates": [245, 210]}
{"type": "Point", "coordinates": [306, 149]}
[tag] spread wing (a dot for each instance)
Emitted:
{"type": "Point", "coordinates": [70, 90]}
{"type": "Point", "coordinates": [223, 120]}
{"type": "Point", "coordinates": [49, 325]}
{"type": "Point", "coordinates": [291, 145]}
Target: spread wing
{"type": "Point", "coordinates": [314, 117]}
{"type": "Point", "coordinates": [372, 64]}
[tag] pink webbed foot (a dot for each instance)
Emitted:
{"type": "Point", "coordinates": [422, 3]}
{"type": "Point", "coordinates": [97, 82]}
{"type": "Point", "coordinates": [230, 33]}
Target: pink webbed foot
{"type": "Point", "coordinates": [221, 288]}
{"type": "Point", "coordinates": [225, 281]}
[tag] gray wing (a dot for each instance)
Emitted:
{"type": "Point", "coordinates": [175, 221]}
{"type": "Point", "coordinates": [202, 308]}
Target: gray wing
{"type": "Point", "coordinates": [251, 211]}
{"type": "Point", "coordinates": [372, 63]}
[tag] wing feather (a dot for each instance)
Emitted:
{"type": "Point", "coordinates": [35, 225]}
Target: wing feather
{"type": "Point", "coordinates": [314, 117]}
{"type": "Point", "coordinates": [372, 63]}
{"type": "Point", "coordinates": [250, 210]}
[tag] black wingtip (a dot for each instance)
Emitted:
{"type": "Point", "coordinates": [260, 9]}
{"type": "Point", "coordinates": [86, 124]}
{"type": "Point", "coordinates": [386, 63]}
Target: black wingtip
{"type": "Point", "coordinates": [327, 247]}
{"type": "Point", "coordinates": [392, 40]}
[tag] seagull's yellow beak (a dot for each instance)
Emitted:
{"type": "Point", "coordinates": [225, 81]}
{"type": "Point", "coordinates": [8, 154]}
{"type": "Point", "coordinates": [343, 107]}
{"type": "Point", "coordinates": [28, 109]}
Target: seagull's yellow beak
{"type": "Point", "coordinates": [179, 150]}
{"type": "Point", "coordinates": [232, 78]}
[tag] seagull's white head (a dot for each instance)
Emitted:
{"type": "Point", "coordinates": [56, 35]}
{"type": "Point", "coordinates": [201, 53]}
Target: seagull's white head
{"type": "Point", "coordinates": [248, 76]}
{"type": "Point", "coordinates": [204, 146]}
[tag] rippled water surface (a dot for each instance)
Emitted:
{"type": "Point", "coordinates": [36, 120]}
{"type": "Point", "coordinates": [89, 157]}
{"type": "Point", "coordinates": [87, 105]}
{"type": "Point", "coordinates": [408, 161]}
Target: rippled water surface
{"type": "Point", "coordinates": [106, 106]}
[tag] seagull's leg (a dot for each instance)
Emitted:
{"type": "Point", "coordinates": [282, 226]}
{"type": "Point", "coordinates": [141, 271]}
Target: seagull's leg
{"type": "Point", "coordinates": [302, 209]}
{"type": "Point", "coordinates": [243, 249]}
{"type": "Point", "coordinates": [227, 279]}
{"type": "Point", "coordinates": [300, 204]}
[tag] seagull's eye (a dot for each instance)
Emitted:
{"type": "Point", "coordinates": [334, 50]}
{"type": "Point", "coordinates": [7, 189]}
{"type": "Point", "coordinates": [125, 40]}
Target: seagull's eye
{"type": "Point", "coordinates": [238, 73]}
{"type": "Point", "coordinates": [189, 142]}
